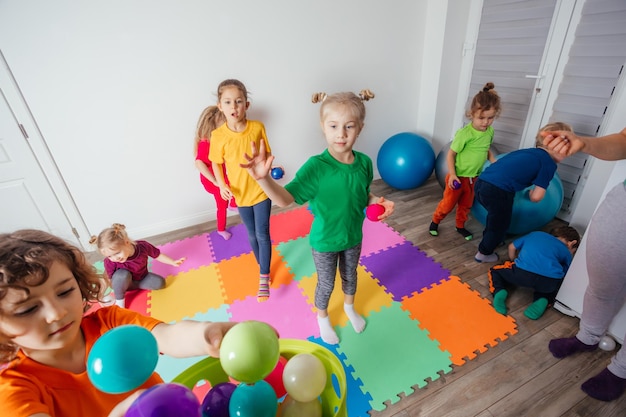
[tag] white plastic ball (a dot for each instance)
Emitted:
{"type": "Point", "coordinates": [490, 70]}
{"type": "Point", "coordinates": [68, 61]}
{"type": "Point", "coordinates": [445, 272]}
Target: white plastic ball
{"type": "Point", "coordinates": [606, 343]}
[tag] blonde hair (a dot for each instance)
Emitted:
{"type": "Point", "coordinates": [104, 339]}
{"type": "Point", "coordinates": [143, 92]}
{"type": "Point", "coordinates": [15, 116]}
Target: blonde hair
{"type": "Point", "coordinates": [551, 127]}
{"type": "Point", "coordinates": [112, 237]}
{"type": "Point", "coordinates": [352, 101]}
{"type": "Point", "coordinates": [485, 99]}
{"type": "Point", "coordinates": [211, 117]}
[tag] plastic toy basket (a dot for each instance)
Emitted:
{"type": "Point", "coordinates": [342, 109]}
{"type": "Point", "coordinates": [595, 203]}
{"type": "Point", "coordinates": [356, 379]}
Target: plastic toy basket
{"type": "Point", "coordinates": [333, 397]}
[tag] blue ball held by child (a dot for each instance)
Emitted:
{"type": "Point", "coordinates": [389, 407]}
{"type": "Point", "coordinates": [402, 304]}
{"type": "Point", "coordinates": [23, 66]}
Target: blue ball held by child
{"type": "Point", "coordinates": [406, 160]}
{"type": "Point", "coordinates": [165, 400]}
{"type": "Point", "coordinates": [456, 185]}
{"type": "Point", "coordinates": [277, 172]}
{"type": "Point", "coordinates": [122, 359]}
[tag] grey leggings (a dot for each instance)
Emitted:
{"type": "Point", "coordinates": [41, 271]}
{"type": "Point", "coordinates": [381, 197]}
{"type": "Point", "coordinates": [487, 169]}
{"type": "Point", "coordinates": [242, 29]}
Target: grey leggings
{"type": "Point", "coordinates": [326, 264]}
{"type": "Point", "coordinates": [122, 281]}
{"type": "Point", "coordinates": [606, 266]}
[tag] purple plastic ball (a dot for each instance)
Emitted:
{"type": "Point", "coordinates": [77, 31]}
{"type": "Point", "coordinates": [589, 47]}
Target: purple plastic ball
{"type": "Point", "coordinates": [165, 400]}
{"type": "Point", "coordinates": [215, 403]}
{"type": "Point", "coordinates": [455, 185]}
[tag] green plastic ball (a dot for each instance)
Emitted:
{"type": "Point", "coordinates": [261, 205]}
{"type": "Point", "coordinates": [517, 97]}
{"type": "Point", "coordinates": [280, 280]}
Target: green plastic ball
{"type": "Point", "coordinates": [249, 351]}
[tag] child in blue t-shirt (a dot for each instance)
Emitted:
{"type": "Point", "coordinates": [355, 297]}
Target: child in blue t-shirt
{"type": "Point", "coordinates": [539, 260]}
{"type": "Point", "coordinates": [496, 186]}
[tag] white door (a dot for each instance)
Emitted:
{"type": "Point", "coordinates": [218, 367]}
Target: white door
{"type": "Point", "coordinates": [550, 60]}
{"type": "Point", "coordinates": [27, 198]}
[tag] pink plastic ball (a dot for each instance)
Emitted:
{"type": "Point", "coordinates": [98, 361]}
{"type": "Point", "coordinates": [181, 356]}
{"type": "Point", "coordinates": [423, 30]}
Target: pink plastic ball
{"type": "Point", "coordinates": [373, 211]}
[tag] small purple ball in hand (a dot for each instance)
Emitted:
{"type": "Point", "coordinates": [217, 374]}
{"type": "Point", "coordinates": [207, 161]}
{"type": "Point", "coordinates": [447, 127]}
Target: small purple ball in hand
{"type": "Point", "coordinates": [456, 185]}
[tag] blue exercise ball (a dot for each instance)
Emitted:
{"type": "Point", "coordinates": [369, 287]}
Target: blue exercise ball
{"type": "Point", "coordinates": [441, 167]}
{"type": "Point", "coordinates": [406, 160]}
{"type": "Point", "coordinates": [528, 216]}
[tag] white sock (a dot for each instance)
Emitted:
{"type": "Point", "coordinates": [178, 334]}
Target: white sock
{"type": "Point", "coordinates": [326, 330]}
{"type": "Point", "coordinates": [358, 322]}
{"type": "Point", "coordinates": [121, 303]}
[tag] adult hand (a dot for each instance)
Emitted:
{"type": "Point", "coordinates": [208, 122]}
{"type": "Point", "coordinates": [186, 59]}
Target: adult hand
{"type": "Point", "coordinates": [563, 142]}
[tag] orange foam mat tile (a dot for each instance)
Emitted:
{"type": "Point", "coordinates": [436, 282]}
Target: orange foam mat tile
{"type": "Point", "coordinates": [240, 275]}
{"type": "Point", "coordinates": [459, 318]}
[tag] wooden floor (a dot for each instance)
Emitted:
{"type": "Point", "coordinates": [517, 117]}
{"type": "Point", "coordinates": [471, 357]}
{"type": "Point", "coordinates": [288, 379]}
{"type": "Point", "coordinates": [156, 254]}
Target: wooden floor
{"type": "Point", "coordinates": [518, 377]}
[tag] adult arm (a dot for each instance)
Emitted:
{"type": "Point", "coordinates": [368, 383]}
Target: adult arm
{"type": "Point", "coordinates": [610, 147]}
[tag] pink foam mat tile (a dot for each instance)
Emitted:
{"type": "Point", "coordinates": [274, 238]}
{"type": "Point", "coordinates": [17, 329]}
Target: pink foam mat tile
{"type": "Point", "coordinates": [196, 250]}
{"type": "Point", "coordinates": [286, 309]}
{"type": "Point", "coordinates": [378, 236]}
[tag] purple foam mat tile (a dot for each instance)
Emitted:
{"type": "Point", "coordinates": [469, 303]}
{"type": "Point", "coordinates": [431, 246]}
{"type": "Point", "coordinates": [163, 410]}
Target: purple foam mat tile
{"type": "Point", "coordinates": [237, 245]}
{"type": "Point", "coordinates": [196, 250]}
{"type": "Point", "coordinates": [404, 270]}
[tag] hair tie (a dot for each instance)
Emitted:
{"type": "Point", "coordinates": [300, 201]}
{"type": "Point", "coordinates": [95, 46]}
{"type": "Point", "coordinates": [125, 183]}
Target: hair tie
{"type": "Point", "coordinates": [366, 95]}
{"type": "Point", "coordinates": [318, 97]}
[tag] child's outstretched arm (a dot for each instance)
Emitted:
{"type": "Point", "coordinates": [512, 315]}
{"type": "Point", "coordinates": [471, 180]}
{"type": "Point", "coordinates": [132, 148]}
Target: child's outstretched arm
{"type": "Point", "coordinates": [188, 338]}
{"type": "Point", "coordinates": [259, 165]}
{"type": "Point", "coordinates": [167, 260]}
{"type": "Point", "coordinates": [388, 205]}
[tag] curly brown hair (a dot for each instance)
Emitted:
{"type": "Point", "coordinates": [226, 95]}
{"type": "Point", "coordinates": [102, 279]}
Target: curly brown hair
{"type": "Point", "coordinates": [25, 260]}
{"type": "Point", "coordinates": [485, 99]}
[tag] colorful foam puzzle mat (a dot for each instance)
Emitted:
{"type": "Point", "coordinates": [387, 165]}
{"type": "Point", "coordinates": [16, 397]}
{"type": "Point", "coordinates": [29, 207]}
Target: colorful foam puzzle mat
{"type": "Point", "coordinates": [420, 320]}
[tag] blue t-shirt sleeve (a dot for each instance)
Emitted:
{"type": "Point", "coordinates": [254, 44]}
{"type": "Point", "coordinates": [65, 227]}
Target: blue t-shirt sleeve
{"type": "Point", "coordinates": [546, 172]}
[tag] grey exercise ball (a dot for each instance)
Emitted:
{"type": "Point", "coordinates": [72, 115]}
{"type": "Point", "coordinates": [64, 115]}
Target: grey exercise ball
{"type": "Point", "coordinates": [441, 168]}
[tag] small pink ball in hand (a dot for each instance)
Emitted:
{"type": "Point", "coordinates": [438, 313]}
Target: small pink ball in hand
{"type": "Point", "coordinates": [373, 211]}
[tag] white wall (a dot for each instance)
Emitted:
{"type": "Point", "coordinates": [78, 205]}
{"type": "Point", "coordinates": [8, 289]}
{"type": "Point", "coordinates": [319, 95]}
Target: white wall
{"type": "Point", "coordinates": [116, 87]}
